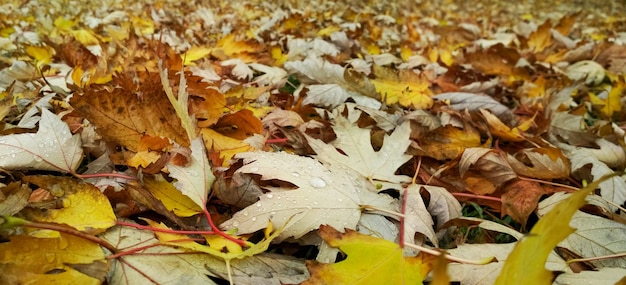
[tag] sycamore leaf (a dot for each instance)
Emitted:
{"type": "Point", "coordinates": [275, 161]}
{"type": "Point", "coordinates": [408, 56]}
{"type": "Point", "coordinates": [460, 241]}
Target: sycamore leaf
{"type": "Point", "coordinates": [83, 206]}
{"type": "Point", "coordinates": [442, 205]}
{"type": "Point", "coordinates": [52, 148]}
{"type": "Point", "coordinates": [370, 261]}
{"type": "Point", "coordinates": [526, 263]}
{"type": "Point", "coordinates": [354, 142]}
{"type": "Point", "coordinates": [325, 195]}
{"type": "Point", "coordinates": [29, 260]}
{"type": "Point", "coordinates": [195, 179]}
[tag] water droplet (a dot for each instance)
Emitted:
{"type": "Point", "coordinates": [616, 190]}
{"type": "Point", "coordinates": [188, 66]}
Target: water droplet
{"type": "Point", "coordinates": [41, 145]}
{"type": "Point", "coordinates": [192, 173]}
{"type": "Point", "coordinates": [35, 158]}
{"type": "Point", "coordinates": [258, 204]}
{"type": "Point", "coordinates": [63, 243]}
{"type": "Point", "coordinates": [272, 213]}
{"type": "Point", "coordinates": [295, 174]}
{"type": "Point", "coordinates": [235, 224]}
{"type": "Point", "coordinates": [317, 182]}
{"type": "Point", "coordinates": [254, 219]}
{"type": "Point", "coordinates": [339, 200]}
{"type": "Point", "coordinates": [245, 213]}
{"type": "Point", "coordinates": [269, 195]}
{"type": "Point", "coordinates": [309, 207]}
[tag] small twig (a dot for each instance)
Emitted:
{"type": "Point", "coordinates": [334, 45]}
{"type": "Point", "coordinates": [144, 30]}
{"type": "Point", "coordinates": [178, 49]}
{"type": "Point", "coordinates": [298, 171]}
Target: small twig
{"type": "Point", "coordinates": [216, 230]}
{"type": "Point", "coordinates": [572, 188]}
{"type": "Point", "coordinates": [98, 175]}
{"type": "Point", "coordinates": [482, 197]}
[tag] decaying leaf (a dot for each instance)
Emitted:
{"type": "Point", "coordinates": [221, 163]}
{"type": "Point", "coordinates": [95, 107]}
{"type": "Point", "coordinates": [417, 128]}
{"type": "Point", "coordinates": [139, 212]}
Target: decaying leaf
{"type": "Point", "coordinates": [194, 180]}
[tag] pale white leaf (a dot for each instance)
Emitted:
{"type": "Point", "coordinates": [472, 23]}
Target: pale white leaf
{"type": "Point", "coordinates": [493, 226]}
{"type": "Point", "coordinates": [274, 76]}
{"type": "Point", "coordinates": [594, 236]}
{"type": "Point", "coordinates": [469, 274]}
{"type": "Point", "coordinates": [443, 206]}
{"type": "Point", "coordinates": [417, 219]}
{"type": "Point", "coordinates": [378, 226]}
{"type": "Point", "coordinates": [360, 156]}
{"type": "Point", "coordinates": [164, 264]}
{"type": "Point", "coordinates": [53, 147]}
{"type": "Point", "coordinates": [588, 70]}
{"type": "Point", "coordinates": [571, 129]}
{"type": "Point", "coordinates": [606, 275]}
{"type": "Point", "coordinates": [195, 179]}
{"type": "Point", "coordinates": [325, 195]}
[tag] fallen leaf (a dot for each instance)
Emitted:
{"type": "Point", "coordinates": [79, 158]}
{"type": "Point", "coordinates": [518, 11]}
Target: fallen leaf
{"type": "Point", "coordinates": [526, 263]}
{"type": "Point", "coordinates": [602, 276]}
{"type": "Point", "coordinates": [83, 206]}
{"type": "Point", "coordinates": [542, 163]}
{"type": "Point", "coordinates": [489, 163]}
{"type": "Point", "coordinates": [417, 219]}
{"type": "Point", "coordinates": [370, 261]}
{"type": "Point", "coordinates": [122, 116]}
{"type": "Point", "coordinates": [172, 198]}
{"type": "Point", "coordinates": [52, 148]}
{"type": "Point", "coordinates": [359, 155]}
{"type": "Point", "coordinates": [239, 125]}
{"type": "Point", "coordinates": [26, 259]}
{"type": "Point", "coordinates": [325, 195]}
{"type": "Point", "coordinates": [195, 179]}
{"type": "Point", "coordinates": [520, 199]}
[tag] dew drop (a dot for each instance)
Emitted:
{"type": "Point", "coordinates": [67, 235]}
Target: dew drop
{"type": "Point", "coordinates": [35, 158]}
{"type": "Point", "coordinates": [63, 243]}
{"type": "Point", "coordinates": [309, 207]}
{"type": "Point", "coordinates": [254, 219]}
{"type": "Point", "coordinates": [317, 182]}
{"type": "Point", "coordinates": [269, 195]}
{"type": "Point", "coordinates": [192, 173]}
{"type": "Point", "coordinates": [41, 145]}
{"type": "Point", "coordinates": [339, 200]}
{"type": "Point", "coordinates": [235, 224]}
{"type": "Point", "coordinates": [245, 213]}
{"type": "Point", "coordinates": [258, 204]}
{"type": "Point", "coordinates": [295, 174]}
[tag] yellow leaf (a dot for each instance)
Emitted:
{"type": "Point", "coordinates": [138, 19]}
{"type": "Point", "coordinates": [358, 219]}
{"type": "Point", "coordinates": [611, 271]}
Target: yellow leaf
{"type": "Point", "coordinates": [142, 25]}
{"type": "Point", "coordinates": [64, 24]}
{"type": "Point", "coordinates": [28, 260]}
{"type": "Point", "coordinates": [407, 94]}
{"type": "Point", "coordinates": [143, 158]}
{"type": "Point", "coordinates": [86, 37]}
{"type": "Point", "coordinates": [42, 55]}
{"type": "Point", "coordinates": [526, 263]}
{"type": "Point", "coordinates": [194, 54]}
{"type": "Point", "coordinates": [83, 206]}
{"type": "Point", "coordinates": [226, 146]}
{"type": "Point", "coordinates": [327, 31]}
{"type": "Point", "coordinates": [370, 261]}
{"type": "Point", "coordinates": [612, 103]}
{"type": "Point", "coordinates": [499, 129]}
{"type": "Point", "coordinates": [172, 198]}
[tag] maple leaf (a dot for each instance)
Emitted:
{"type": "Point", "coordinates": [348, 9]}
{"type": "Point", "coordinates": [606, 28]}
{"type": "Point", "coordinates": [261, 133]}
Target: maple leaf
{"type": "Point", "coordinates": [370, 261]}
{"type": "Point", "coordinates": [354, 142]}
{"type": "Point", "coordinates": [53, 147]}
{"type": "Point", "coordinates": [326, 195]}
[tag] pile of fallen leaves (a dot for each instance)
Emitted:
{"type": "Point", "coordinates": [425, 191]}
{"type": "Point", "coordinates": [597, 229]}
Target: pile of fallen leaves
{"type": "Point", "coordinates": [313, 142]}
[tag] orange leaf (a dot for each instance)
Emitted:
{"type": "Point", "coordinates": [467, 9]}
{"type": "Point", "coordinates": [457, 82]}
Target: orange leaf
{"type": "Point", "coordinates": [541, 38]}
{"type": "Point", "coordinates": [239, 125]}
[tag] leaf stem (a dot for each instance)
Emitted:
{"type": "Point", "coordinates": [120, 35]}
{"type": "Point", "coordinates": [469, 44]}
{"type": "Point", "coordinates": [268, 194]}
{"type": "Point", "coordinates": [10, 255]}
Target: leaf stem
{"type": "Point", "coordinates": [98, 175]}
{"type": "Point", "coordinates": [216, 230]}
{"type": "Point", "coordinates": [617, 255]}
{"type": "Point", "coordinates": [373, 208]}
{"type": "Point", "coordinates": [450, 257]}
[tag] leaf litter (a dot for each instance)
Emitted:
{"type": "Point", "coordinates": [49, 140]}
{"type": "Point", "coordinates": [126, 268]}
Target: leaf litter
{"type": "Point", "coordinates": [187, 143]}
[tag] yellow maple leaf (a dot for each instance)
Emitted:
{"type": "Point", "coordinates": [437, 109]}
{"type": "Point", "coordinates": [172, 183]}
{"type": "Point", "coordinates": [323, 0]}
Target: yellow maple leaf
{"type": "Point", "coordinates": [43, 55]}
{"type": "Point", "coordinates": [226, 146]}
{"type": "Point", "coordinates": [195, 53]}
{"type": "Point", "coordinates": [370, 261]}
{"type": "Point", "coordinates": [86, 37]}
{"type": "Point", "coordinates": [83, 206]}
